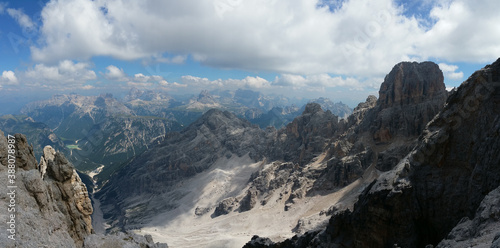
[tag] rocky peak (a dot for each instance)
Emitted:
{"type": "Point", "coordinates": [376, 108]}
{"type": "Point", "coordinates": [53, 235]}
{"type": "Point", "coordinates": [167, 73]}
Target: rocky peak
{"type": "Point", "coordinates": [205, 97]}
{"type": "Point", "coordinates": [411, 83]}
{"type": "Point", "coordinates": [445, 188]}
{"type": "Point", "coordinates": [217, 120]}
{"type": "Point", "coordinates": [410, 96]}
{"type": "Point", "coordinates": [306, 136]}
{"type": "Point", "coordinates": [339, 109]}
{"type": "Point", "coordinates": [359, 112]}
{"type": "Point", "coordinates": [312, 108]}
{"type": "Point", "coordinates": [146, 95]}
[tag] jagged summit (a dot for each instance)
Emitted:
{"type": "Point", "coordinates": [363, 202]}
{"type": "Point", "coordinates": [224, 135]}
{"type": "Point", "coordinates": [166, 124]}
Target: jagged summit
{"type": "Point", "coordinates": [217, 120]}
{"type": "Point", "coordinates": [205, 97]}
{"type": "Point", "coordinates": [312, 108]}
{"type": "Point", "coordinates": [410, 96]}
{"type": "Point", "coordinates": [411, 83]}
{"type": "Point", "coordinates": [444, 193]}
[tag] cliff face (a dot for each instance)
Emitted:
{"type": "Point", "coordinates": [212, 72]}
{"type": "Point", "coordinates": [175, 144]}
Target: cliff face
{"type": "Point", "coordinates": [52, 207]}
{"type": "Point", "coordinates": [306, 136]}
{"type": "Point", "coordinates": [381, 132]}
{"type": "Point", "coordinates": [442, 182]}
{"type": "Point", "coordinates": [410, 96]}
{"type": "Point", "coordinates": [47, 205]}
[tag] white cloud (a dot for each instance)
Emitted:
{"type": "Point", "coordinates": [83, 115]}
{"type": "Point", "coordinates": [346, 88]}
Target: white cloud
{"type": "Point", "coordinates": [282, 84]}
{"type": "Point", "coordinates": [139, 77]}
{"type": "Point", "coordinates": [23, 19]}
{"type": "Point", "coordinates": [138, 80]}
{"type": "Point", "coordinates": [464, 31]}
{"type": "Point", "coordinates": [165, 84]}
{"type": "Point", "coordinates": [65, 74]}
{"type": "Point", "coordinates": [360, 38]}
{"type": "Point", "coordinates": [316, 81]}
{"type": "Point", "coordinates": [8, 78]}
{"type": "Point", "coordinates": [114, 73]}
{"type": "Point", "coordinates": [450, 71]}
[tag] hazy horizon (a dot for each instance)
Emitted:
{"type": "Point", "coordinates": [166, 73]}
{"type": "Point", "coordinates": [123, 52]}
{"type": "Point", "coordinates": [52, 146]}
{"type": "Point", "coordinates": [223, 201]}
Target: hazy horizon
{"type": "Point", "coordinates": [340, 50]}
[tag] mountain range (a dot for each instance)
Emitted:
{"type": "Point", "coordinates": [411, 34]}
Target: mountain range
{"type": "Point", "coordinates": [416, 167]}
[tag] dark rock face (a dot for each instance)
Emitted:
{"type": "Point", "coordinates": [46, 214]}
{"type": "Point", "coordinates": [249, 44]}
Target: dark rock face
{"type": "Point", "coordinates": [225, 207]}
{"type": "Point", "coordinates": [249, 201]}
{"type": "Point", "coordinates": [410, 96]}
{"type": "Point", "coordinates": [306, 136]}
{"type": "Point", "coordinates": [484, 227]}
{"type": "Point", "coordinates": [411, 83]}
{"type": "Point", "coordinates": [382, 132]}
{"type": "Point", "coordinates": [444, 179]}
{"type": "Point", "coordinates": [359, 112]}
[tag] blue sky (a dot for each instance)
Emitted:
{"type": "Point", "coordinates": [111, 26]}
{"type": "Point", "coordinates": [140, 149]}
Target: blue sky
{"type": "Point", "coordinates": [301, 48]}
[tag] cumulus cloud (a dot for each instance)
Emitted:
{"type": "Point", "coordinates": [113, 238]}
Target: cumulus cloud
{"type": "Point", "coordinates": [316, 81]}
{"type": "Point", "coordinates": [282, 83]}
{"type": "Point", "coordinates": [450, 71]}
{"type": "Point", "coordinates": [139, 80]}
{"type": "Point", "coordinates": [463, 31]}
{"type": "Point", "coordinates": [139, 77]}
{"type": "Point", "coordinates": [115, 74]}
{"type": "Point", "coordinates": [166, 84]}
{"type": "Point", "coordinates": [65, 74]}
{"type": "Point", "coordinates": [21, 18]}
{"type": "Point", "coordinates": [8, 78]}
{"type": "Point", "coordinates": [355, 37]}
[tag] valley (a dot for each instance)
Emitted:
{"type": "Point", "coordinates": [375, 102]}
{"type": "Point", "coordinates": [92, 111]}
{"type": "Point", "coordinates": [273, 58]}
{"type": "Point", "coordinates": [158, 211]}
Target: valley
{"type": "Point", "coordinates": [250, 124]}
{"type": "Point", "coordinates": [224, 181]}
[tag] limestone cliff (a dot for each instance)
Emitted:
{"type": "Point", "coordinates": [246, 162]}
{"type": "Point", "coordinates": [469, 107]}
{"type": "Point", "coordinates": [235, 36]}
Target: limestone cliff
{"type": "Point", "coordinates": [445, 188]}
{"type": "Point", "coordinates": [410, 96]}
{"type": "Point", "coordinates": [52, 209]}
{"type": "Point", "coordinates": [47, 205]}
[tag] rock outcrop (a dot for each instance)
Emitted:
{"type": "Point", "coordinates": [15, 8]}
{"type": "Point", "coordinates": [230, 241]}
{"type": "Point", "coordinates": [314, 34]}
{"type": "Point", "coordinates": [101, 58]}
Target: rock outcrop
{"type": "Point", "coordinates": [306, 136]}
{"type": "Point", "coordinates": [381, 132]}
{"type": "Point", "coordinates": [445, 188]}
{"type": "Point", "coordinates": [53, 211]}
{"type": "Point", "coordinates": [410, 96]}
{"type": "Point", "coordinates": [48, 205]}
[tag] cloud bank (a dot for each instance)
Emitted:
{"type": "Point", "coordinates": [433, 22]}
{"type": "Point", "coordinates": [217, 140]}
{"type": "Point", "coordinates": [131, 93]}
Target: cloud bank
{"type": "Point", "coordinates": [305, 37]}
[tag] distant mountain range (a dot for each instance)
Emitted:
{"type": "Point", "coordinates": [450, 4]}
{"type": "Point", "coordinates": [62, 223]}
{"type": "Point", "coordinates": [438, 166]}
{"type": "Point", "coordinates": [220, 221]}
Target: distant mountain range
{"type": "Point", "coordinates": [101, 133]}
{"type": "Point", "coordinates": [416, 167]}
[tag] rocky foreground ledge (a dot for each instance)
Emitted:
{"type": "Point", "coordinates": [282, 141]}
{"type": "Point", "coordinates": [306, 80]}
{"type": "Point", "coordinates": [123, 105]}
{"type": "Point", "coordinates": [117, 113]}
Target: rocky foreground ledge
{"type": "Point", "coordinates": [46, 204]}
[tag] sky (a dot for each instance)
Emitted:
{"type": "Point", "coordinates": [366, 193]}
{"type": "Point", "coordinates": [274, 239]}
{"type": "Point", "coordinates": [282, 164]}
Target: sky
{"type": "Point", "coordinates": [340, 49]}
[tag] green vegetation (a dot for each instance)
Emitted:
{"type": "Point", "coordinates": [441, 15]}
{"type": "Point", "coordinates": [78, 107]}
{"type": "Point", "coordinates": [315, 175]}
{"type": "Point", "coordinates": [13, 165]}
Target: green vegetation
{"type": "Point", "coordinates": [73, 147]}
